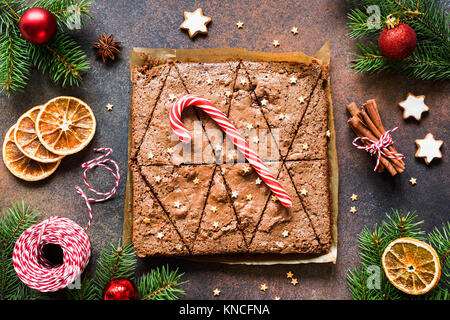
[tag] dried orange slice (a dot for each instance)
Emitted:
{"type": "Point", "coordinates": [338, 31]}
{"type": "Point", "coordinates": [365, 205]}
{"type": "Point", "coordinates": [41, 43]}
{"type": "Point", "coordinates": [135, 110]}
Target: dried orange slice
{"type": "Point", "coordinates": [412, 266]}
{"type": "Point", "coordinates": [65, 125]}
{"type": "Point", "coordinates": [20, 165]}
{"type": "Point", "coordinates": [27, 140]}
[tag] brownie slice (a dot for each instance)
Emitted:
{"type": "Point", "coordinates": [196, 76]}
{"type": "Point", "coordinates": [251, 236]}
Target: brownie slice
{"type": "Point", "coordinates": [283, 91]}
{"type": "Point", "coordinates": [153, 233]}
{"type": "Point", "coordinates": [249, 194]}
{"type": "Point", "coordinates": [182, 191]}
{"type": "Point", "coordinates": [284, 230]}
{"type": "Point", "coordinates": [147, 85]}
{"type": "Point", "coordinates": [311, 180]}
{"type": "Point", "coordinates": [160, 145]}
{"type": "Point", "coordinates": [311, 140]}
{"type": "Point", "coordinates": [219, 231]}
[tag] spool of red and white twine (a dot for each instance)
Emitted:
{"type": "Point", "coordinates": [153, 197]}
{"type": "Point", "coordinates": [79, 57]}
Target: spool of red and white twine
{"type": "Point", "coordinates": [29, 260]}
{"type": "Point", "coordinates": [230, 130]}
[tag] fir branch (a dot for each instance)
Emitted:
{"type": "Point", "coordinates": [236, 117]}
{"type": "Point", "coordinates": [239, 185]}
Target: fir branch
{"type": "Point", "coordinates": [160, 285]}
{"type": "Point", "coordinates": [70, 14]}
{"type": "Point", "coordinates": [440, 241]}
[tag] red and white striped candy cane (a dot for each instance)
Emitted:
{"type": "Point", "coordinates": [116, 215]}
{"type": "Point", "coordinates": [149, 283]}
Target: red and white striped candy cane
{"type": "Point", "coordinates": [232, 133]}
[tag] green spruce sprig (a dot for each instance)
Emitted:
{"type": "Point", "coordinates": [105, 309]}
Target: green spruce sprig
{"type": "Point", "coordinates": [62, 58]}
{"type": "Point", "coordinates": [430, 60]}
{"type": "Point", "coordinates": [373, 242]}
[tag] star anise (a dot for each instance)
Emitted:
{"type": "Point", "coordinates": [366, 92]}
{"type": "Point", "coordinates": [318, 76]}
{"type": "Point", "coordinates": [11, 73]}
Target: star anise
{"type": "Point", "coordinates": [106, 47]}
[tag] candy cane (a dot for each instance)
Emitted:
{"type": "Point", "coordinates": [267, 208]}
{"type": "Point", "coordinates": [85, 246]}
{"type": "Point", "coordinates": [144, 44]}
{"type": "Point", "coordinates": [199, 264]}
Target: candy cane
{"type": "Point", "coordinates": [232, 133]}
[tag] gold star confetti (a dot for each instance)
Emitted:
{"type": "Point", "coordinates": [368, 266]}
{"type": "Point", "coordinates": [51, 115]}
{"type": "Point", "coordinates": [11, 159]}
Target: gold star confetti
{"type": "Point", "coordinates": [289, 275]}
{"type": "Point", "coordinates": [353, 210]}
{"type": "Point", "coordinates": [303, 192]}
{"type": "Point", "coordinates": [258, 181]}
{"type": "Point", "coordinates": [239, 24]}
{"type": "Point", "coordinates": [249, 126]}
{"type": "Point", "coordinates": [293, 80]}
{"type": "Point", "coordinates": [243, 82]}
{"type": "Point", "coordinates": [246, 169]}
{"type": "Point", "coordinates": [195, 22]}
{"type": "Point", "coordinates": [294, 31]}
{"type": "Point", "coordinates": [301, 99]}
{"type": "Point", "coordinates": [196, 181]}
{"type": "Point", "coordinates": [276, 43]}
{"type": "Point", "coordinates": [285, 233]}
{"type": "Point", "coordinates": [263, 287]}
{"type": "Point", "coordinates": [281, 116]}
{"type": "Point", "coordinates": [170, 150]}
{"type": "Point", "coordinates": [218, 148]}
{"type": "Point", "coordinates": [354, 197]}
{"type": "Point", "coordinates": [255, 139]}
{"type": "Point", "coordinates": [413, 181]}
{"type": "Point", "coordinates": [264, 102]}
{"type": "Point", "coordinates": [150, 155]}
{"type": "Point", "coordinates": [147, 220]}
{"type": "Point", "coordinates": [328, 133]}
{"type": "Point", "coordinates": [234, 194]}
{"type": "Point", "coordinates": [177, 204]}
{"type": "Point", "coordinates": [227, 94]}
{"type": "Point", "coordinates": [216, 292]}
{"type": "Point", "coordinates": [158, 179]}
{"type": "Point", "coordinates": [172, 97]}
{"type": "Point", "coordinates": [230, 157]}
{"type": "Point", "coordinates": [160, 235]}
{"type": "Point", "coordinates": [294, 281]}
{"type": "Point", "coordinates": [305, 146]}
{"type": "Point", "coordinates": [249, 197]}
{"type": "Point", "coordinates": [109, 107]}
{"type": "Point", "coordinates": [274, 198]}
{"type": "Point", "coordinates": [209, 81]}
{"type": "Point", "coordinates": [277, 298]}
{"type": "Point", "coordinates": [215, 224]}
{"type": "Point", "coordinates": [213, 209]}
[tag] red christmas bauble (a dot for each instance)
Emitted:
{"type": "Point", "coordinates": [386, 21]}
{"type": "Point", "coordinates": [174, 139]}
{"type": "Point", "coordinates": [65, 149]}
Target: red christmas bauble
{"type": "Point", "coordinates": [120, 289]}
{"type": "Point", "coordinates": [398, 42]}
{"type": "Point", "coordinates": [38, 25]}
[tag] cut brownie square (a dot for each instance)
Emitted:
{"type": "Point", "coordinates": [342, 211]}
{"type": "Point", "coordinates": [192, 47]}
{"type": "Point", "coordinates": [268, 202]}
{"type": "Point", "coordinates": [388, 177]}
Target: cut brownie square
{"type": "Point", "coordinates": [284, 230]}
{"type": "Point", "coordinates": [283, 91]}
{"type": "Point", "coordinates": [311, 180]}
{"type": "Point", "coordinates": [182, 190]}
{"type": "Point", "coordinates": [160, 145]}
{"type": "Point", "coordinates": [249, 194]}
{"type": "Point", "coordinates": [219, 231]}
{"type": "Point", "coordinates": [311, 140]}
{"type": "Point", "coordinates": [147, 86]}
{"type": "Point", "coordinates": [153, 232]}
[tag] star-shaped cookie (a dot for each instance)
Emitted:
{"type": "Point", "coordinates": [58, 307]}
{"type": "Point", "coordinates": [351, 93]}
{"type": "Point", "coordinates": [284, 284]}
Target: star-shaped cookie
{"type": "Point", "coordinates": [413, 106]}
{"type": "Point", "coordinates": [428, 148]}
{"type": "Point", "coordinates": [195, 22]}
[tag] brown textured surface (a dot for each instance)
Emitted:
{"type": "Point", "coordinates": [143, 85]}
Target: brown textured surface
{"type": "Point", "coordinates": [154, 24]}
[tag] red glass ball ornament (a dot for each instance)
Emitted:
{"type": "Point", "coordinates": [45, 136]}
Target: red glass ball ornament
{"type": "Point", "coordinates": [120, 289]}
{"type": "Point", "coordinates": [398, 42]}
{"type": "Point", "coordinates": [38, 25]}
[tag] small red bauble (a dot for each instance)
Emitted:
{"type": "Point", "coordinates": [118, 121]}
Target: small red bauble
{"type": "Point", "coordinates": [398, 42]}
{"type": "Point", "coordinates": [38, 25]}
{"type": "Point", "coordinates": [120, 289]}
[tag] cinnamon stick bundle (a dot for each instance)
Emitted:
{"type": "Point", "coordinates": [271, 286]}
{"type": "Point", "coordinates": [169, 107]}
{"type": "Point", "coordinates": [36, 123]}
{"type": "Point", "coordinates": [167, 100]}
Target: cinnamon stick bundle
{"type": "Point", "coordinates": [366, 122]}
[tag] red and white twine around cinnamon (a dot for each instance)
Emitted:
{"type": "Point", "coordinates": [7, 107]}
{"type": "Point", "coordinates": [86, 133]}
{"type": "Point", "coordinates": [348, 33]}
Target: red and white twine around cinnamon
{"type": "Point", "coordinates": [230, 130]}
{"type": "Point", "coordinates": [30, 263]}
{"type": "Point", "coordinates": [379, 148]}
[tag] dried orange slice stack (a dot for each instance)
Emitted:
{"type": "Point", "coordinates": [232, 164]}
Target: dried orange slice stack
{"type": "Point", "coordinates": [412, 266]}
{"type": "Point", "coordinates": [34, 146]}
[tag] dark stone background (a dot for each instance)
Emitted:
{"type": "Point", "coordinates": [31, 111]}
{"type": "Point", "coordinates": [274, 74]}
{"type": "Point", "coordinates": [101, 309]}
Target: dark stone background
{"type": "Point", "coordinates": [155, 24]}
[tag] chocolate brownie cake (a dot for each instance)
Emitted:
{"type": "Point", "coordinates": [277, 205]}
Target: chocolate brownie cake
{"type": "Point", "coordinates": [203, 198]}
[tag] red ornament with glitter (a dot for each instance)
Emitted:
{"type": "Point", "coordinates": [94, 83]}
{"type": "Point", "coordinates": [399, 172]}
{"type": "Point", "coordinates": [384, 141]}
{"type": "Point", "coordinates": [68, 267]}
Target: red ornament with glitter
{"type": "Point", "coordinates": [38, 25]}
{"type": "Point", "coordinates": [397, 42]}
{"type": "Point", "coordinates": [120, 289]}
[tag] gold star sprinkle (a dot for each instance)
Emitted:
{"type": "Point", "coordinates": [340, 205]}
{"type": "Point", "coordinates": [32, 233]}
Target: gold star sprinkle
{"type": "Point", "coordinates": [328, 133]}
{"type": "Point", "coordinates": [177, 204]}
{"type": "Point", "coordinates": [413, 181]}
{"type": "Point", "coordinates": [147, 220]}
{"type": "Point", "coordinates": [196, 181]}
{"type": "Point", "coordinates": [294, 281]}
{"type": "Point", "coordinates": [172, 97]}
{"type": "Point", "coordinates": [264, 102]}
{"type": "Point", "coordinates": [305, 146]}
{"type": "Point", "coordinates": [249, 197]}
{"type": "Point", "coordinates": [354, 197]}
{"type": "Point", "coordinates": [276, 43]}
{"type": "Point", "coordinates": [303, 192]}
{"type": "Point", "coordinates": [263, 287]}
{"type": "Point", "coordinates": [277, 298]}
{"type": "Point", "coordinates": [216, 292]}
{"type": "Point", "coordinates": [218, 148]}
{"type": "Point", "coordinates": [353, 210]}
{"type": "Point", "coordinates": [258, 181]}
{"type": "Point", "coordinates": [243, 82]}
{"type": "Point", "coordinates": [215, 224]}
{"type": "Point", "coordinates": [239, 24]}
{"type": "Point", "coordinates": [285, 233]}
{"type": "Point", "coordinates": [158, 179]}
{"type": "Point", "coordinates": [281, 116]}
{"type": "Point", "coordinates": [160, 235]}
{"type": "Point", "coordinates": [234, 194]}
{"type": "Point", "coordinates": [301, 99]}
{"type": "Point", "coordinates": [293, 80]}
{"type": "Point", "coordinates": [289, 275]}
{"type": "Point", "coordinates": [246, 169]}
{"type": "Point", "coordinates": [249, 126]}
{"type": "Point", "coordinates": [274, 198]}
{"type": "Point", "coordinates": [294, 31]}
{"type": "Point", "coordinates": [109, 107]}
{"type": "Point", "coordinates": [150, 155]}
{"type": "Point", "coordinates": [209, 81]}
{"type": "Point", "coordinates": [255, 139]}
{"type": "Point", "coordinates": [227, 94]}
{"type": "Point", "coordinates": [214, 209]}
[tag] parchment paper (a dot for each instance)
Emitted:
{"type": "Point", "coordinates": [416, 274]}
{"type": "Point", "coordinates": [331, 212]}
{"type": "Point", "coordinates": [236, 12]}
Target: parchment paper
{"type": "Point", "coordinates": [140, 56]}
